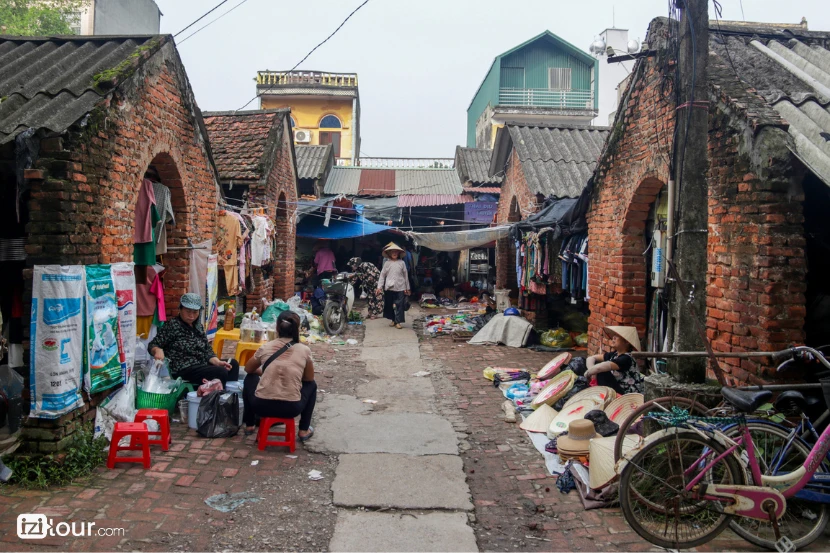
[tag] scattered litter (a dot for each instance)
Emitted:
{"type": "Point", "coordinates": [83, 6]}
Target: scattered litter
{"type": "Point", "coordinates": [254, 463]}
{"type": "Point", "coordinates": [422, 373]}
{"type": "Point", "coordinates": [351, 342]}
{"type": "Point", "coordinates": [291, 456]}
{"type": "Point", "coordinates": [372, 401]}
{"type": "Point", "coordinates": [230, 502]}
{"type": "Point", "coordinates": [315, 475]}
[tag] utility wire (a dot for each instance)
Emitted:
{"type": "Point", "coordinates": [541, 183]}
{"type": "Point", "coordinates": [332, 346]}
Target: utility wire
{"type": "Point", "coordinates": [211, 23]}
{"type": "Point", "coordinates": [202, 17]}
{"type": "Point", "coordinates": [315, 48]}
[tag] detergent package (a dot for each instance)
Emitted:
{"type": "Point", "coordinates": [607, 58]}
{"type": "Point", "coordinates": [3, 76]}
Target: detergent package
{"type": "Point", "coordinates": [123, 277]}
{"type": "Point", "coordinates": [102, 369]}
{"type": "Point", "coordinates": [57, 333]}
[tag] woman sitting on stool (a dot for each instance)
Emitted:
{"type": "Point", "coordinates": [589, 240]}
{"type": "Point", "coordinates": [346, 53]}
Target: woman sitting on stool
{"type": "Point", "coordinates": [182, 340]}
{"type": "Point", "coordinates": [280, 381]}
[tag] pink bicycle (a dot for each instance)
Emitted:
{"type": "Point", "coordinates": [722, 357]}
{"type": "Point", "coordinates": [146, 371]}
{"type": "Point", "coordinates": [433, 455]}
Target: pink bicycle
{"type": "Point", "coordinates": [686, 483]}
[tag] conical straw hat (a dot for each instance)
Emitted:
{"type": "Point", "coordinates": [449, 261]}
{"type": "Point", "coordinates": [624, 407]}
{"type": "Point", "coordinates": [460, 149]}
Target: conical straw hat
{"type": "Point", "coordinates": [391, 246]}
{"type": "Point", "coordinates": [601, 456]}
{"type": "Point", "coordinates": [603, 395]}
{"type": "Point", "coordinates": [554, 366]}
{"type": "Point", "coordinates": [627, 333]}
{"type": "Point", "coordinates": [619, 409]}
{"type": "Point", "coordinates": [574, 411]}
{"type": "Point", "coordinates": [539, 420]}
{"type": "Point", "coordinates": [557, 387]}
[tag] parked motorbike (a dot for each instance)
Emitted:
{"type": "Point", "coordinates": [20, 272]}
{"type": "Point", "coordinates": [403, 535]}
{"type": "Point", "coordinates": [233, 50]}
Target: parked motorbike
{"type": "Point", "coordinates": [339, 301]}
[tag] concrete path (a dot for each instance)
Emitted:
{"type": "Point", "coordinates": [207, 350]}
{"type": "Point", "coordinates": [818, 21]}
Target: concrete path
{"type": "Point", "coordinates": [396, 455]}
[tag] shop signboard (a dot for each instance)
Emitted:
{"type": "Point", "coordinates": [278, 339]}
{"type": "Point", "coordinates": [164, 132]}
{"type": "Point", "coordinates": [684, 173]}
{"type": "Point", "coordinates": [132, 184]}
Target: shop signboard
{"type": "Point", "coordinates": [480, 212]}
{"type": "Point", "coordinates": [57, 334]}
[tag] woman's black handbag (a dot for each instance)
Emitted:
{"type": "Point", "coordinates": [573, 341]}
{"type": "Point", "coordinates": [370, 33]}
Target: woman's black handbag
{"type": "Point", "coordinates": [218, 415]}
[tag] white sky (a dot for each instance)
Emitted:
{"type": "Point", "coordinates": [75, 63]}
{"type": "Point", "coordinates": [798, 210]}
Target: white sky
{"type": "Point", "coordinates": [419, 62]}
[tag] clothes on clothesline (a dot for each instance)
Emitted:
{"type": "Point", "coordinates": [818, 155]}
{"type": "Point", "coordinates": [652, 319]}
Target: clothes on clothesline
{"type": "Point", "coordinates": [164, 206]}
{"type": "Point", "coordinates": [574, 265]}
{"type": "Point", "coordinates": [246, 238]}
{"type": "Point", "coordinates": [537, 254]}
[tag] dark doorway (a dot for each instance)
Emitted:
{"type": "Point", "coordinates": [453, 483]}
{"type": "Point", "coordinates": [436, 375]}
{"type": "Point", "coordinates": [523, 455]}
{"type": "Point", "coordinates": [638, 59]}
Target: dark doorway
{"type": "Point", "coordinates": [332, 138]}
{"type": "Point", "coordinates": [817, 234]}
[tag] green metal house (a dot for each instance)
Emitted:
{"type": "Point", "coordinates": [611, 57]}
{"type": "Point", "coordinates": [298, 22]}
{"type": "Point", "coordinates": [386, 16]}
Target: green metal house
{"type": "Point", "coordinates": [544, 80]}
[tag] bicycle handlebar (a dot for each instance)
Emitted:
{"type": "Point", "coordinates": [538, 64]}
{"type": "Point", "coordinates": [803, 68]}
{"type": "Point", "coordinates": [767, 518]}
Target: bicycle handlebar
{"type": "Point", "coordinates": [790, 353]}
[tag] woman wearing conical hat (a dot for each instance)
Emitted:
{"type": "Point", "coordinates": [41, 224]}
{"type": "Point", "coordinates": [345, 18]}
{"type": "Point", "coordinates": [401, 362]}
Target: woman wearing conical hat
{"type": "Point", "coordinates": [393, 283]}
{"type": "Point", "coordinates": [616, 368]}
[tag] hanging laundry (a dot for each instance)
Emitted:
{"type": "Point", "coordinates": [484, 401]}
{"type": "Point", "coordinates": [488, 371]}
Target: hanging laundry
{"type": "Point", "coordinates": [229, 241]}
{"type": "Point", "coordinates": [261, 241]}
{"type": "Point", "coordinates": [146, 217]}
{"type": "Point", "coordinates": [164, 206]}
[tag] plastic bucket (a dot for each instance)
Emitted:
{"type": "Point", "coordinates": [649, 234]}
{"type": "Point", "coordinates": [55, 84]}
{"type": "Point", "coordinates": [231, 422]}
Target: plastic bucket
{"type": "Point", "coordinates": [234, 386]}
{"type": "Point", "coordinates": [192, 409]}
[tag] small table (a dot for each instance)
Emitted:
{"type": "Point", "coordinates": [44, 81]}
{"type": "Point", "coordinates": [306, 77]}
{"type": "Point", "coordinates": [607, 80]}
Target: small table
{"type": "Point", "coordinates": [244, 351]}
{"type": "Point", "coordinates": [220, 337]}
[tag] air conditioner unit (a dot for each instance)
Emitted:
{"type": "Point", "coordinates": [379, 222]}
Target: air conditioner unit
{"type": "Point", "coordinates": [302, 136]}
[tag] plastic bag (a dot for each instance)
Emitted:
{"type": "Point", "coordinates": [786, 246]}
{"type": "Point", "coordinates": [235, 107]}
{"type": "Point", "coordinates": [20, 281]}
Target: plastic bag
{"type": "Point", "coordinates": [10, 381]}
{"type": "Point", "coordinates": [578, 366]}
{"type": "Point", "coordinates": [119, 406]}
{"type": "Point", "coordinates": [556, 338]}
{"type": "Point", "coordinates": [274, 309]}
{"type": "Point", "coordinates": [582, 339]}
{"type": "Point", "coordinates": [209, 386]}
{"type": "Point", "coordinates": [218, 415]}
{"type": "Point", "coordinates": [154, 384]}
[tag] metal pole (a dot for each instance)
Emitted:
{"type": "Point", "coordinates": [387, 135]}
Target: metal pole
{"type": "Point", "coordinates": [693, 354]}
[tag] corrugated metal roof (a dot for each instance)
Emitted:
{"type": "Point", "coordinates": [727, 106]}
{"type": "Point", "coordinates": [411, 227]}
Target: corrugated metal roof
{"type": "Point", "coordinates": [473, 165]}
{"type": "Point", "coordinates": [557, 161]}
{"type": "Point", "coordinates": [312, 160]}
{"type": "Point", "coordinates": [377, 182]}
{"type": "Point", "coordinates": [427, 181]}
{"type": "Point", "coordinates": [429, 200]}
{"type": "Point", "coordinates": [343, 180]}
{"type": "Point", "coordinates": [792, 75]}
{"type": "Point", "coordinates": [483, 190]}
{"type": "Point", "coordinates": [48, 82]}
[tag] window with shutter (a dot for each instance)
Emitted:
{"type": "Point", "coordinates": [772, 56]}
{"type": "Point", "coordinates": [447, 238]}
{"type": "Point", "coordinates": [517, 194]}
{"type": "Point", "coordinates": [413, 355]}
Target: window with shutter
{"type": "Point", "coordinates": [560, 78]}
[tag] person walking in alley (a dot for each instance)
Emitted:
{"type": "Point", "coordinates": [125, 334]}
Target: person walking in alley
{"type": "Point", "coordinates": [617, 369]}
{"type": "Point", "coordinates": [280, 380]}
{"type": "Point", "coordinates": [368, 275]}
{"type": "Point", "coordinates": [324, 262]}
{"type": "Point", "coordinates": [394, 285]}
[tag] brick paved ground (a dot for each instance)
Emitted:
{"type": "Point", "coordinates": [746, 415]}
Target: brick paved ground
{"type": "Point", "coordinates": [163, 508]}
{"type": "Point", "coordinates": [517, 504]}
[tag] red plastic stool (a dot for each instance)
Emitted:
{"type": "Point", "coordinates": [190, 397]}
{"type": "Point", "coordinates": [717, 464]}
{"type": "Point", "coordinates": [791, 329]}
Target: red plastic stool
{"type": "Point", "coordinates": [139, 441]}
{"type": "Point", "coordinates": [265, 433]}
{"type": "Point", "coordinates": [162, 417]}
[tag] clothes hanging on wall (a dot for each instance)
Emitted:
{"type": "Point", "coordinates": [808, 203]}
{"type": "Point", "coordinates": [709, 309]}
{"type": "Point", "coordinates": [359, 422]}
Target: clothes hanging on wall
{"type": "Point", "coordinates": [164, 207]}
{"type": "Point", "coordinates": [146, 219]}
{"type": "Point", "coordinates": [261, 240]}
{"type": "Point", "coordinates": [229, 241]}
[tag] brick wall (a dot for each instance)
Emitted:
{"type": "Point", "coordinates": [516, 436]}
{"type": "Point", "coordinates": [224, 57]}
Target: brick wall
{"type": "Point", "coordinates": [755, 282]}
{"type": "Point", "coordinates": [86, 182]}
{"type": "Point", "coordinates": [516, 202]}
{"type": "Point", "coordinates": [279, 192]}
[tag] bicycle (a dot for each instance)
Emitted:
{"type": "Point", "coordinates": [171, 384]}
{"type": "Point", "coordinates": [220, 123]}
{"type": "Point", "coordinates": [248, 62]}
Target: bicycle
{"type": "Point", "coordinates": [685, 484]}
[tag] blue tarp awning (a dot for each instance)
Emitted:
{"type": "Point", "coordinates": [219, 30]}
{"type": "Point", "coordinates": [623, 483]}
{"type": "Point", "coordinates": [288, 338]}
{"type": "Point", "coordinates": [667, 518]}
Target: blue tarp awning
{"type": "Point", "coordinates": [349, 226]}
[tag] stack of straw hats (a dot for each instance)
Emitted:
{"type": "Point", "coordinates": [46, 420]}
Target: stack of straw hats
{"type": "Point", "coordinates": [556, 388]}
{"type": "Point", "coordinates": [619, 409]}
{"type": "Point", "coordinates": [554, 366]}
{"type": "Point", "coordinates": [578, 441]}
{"type": "Point", "coordinates": [539, 420]}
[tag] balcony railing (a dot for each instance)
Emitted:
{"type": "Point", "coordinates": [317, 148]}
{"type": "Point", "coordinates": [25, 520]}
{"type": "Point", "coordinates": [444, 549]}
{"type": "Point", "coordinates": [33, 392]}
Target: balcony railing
{"type": "Point", "coordinates": [287, 78]}
{"type": "Point", "coordinates": [545, 98]}
{"type": "Point", "coordinates": [406, 163]}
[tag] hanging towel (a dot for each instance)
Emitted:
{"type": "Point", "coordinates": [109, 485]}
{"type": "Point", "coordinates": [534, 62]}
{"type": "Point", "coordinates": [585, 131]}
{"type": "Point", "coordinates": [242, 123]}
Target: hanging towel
{"type": "Point", "coordinates": [143, 232]}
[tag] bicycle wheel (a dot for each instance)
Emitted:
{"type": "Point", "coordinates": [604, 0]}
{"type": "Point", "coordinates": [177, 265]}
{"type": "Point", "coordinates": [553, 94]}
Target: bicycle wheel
{"type": "Point", "coordinates": [670, 516]}
{"type": "Point", "coordinates": [804, 521]}
{"type": "Point", "coordinates": [635, 423]}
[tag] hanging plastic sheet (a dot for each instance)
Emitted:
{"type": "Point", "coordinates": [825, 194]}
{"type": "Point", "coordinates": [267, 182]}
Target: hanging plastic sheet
{"type": "Point", "coordinates": [212, 297]}
{"type": "Point", "coordinates": [123, 276]}
{"type": "Point", "coordinates": [57, 334]}
{"type": "Point", "coordinates": [458, 240]}
{"type": "Point", "coordinates": [351, 226]}
{"type": "Point", "coordinates": [102, 367]}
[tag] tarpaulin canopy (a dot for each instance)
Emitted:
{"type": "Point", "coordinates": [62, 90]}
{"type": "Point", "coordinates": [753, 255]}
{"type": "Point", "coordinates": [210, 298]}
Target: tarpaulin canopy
{"type": "Point", "coordinates": [313, 226]}
{"type": "Point", "coordinates": [458, 240]}
{"type": "Point", "coordinates": [565, 215]}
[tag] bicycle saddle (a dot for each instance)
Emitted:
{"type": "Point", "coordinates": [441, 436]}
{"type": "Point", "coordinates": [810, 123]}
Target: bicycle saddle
{"type": "Point", "coordinates": [745, 400]}
{"type": "Point", "coordinates": [791, 401]}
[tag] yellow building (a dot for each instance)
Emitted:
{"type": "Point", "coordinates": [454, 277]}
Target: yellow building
{"type": "Point", "coordinates": [325, 108]}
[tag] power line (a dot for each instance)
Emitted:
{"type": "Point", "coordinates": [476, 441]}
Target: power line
{"type": "Point", "coordinates": [211, 23]}
{"type": "Point", "coordinates": [202, 17]}
{"type": "Point", "coordinates": [315, 48]}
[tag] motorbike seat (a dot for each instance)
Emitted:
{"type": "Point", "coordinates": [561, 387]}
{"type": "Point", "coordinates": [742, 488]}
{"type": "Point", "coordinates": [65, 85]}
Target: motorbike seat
{"type": "Point", "coordinates": [745, 401]}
